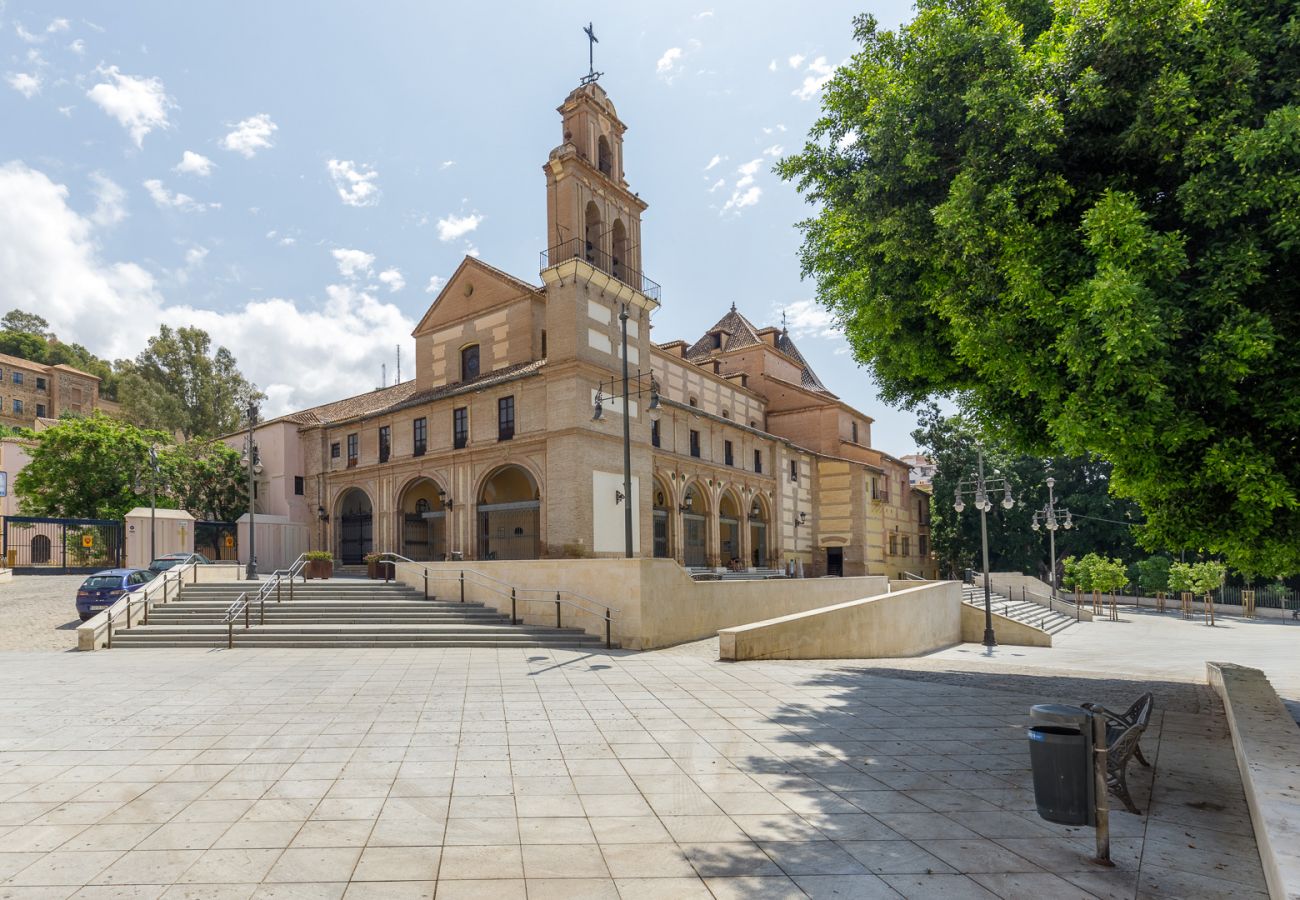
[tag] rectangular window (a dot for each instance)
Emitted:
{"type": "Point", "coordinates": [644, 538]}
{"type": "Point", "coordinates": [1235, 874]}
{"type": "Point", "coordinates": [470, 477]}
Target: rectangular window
{"type": "Point", "coordinates": [758, 461]}
{"type": "Point", "coordinates": [505, 418]}
{"type": "Point", "coordinates": [40, 383]}
{"type": "Point", "coordinates": [654, 432]}
{"type": "Point", "coordinates": [40, 410]}
{"type": "Point", "coordinates": [18, 377]}
{"type": "Point", "coordinates": [923, 545]}
{"type": "Point", "coordinates": [420, 435]}
{"type": "Point", "coordinates": [299, 485]}
{"type": "Point", "coordinates": [695, 443]}
{"type": "Point", "coordinates": [893, 545]}
{"type": "Point", "coordinates": [18, 407]}
{"type": "Point", "coordinates": [907, 545]}
{"type": "Point", "coordinates": [460, 427]}
{"type": "Point", "coordinates": [855, 432]}
{"type": "Point", "coordinates": [726, 453]}
{"type": "Point", "coordinates": [352, 450]}
{"type": "Point", "coordinates": [385, 442]}
{"type": "Point", "coordinates": [335, 450]}
{"type": "Point", "coordinates": [794, 470]}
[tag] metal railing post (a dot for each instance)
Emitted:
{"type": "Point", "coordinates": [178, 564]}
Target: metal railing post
{"type": "Point", "coordinates": [128, 611]}
{"type": "Point", "coordinates": [608, 642]}
{"type": "Point", "coordinates": [246, 614]}
{"type": "Point", "coordinates": [462, 585]}
{"type": "Point", "coordinates": [164, 587]}
{"type": "Point", "coordinates": [290, 590]}
{"type": "Point", "coordinates": [144, 619]}
{"type": "Point", "coordinates": [557, 610]}
{"type": "Point", "coordinates": [110, 633]}
{"type": "Point", "coordinates": [261, 617]}
{"type": "Point", "coordinates": [426, 584]}
{"type": "Point", "coordinates": [514, 619]}
{"type": "Point", "coordinates": [230, 634]}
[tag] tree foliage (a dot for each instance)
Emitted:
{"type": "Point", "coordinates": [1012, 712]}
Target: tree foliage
{"type": "Point", "coordinates": [97, 467]}
{"type": "Point", "coordinates": [28, 336]}
{"type": "Point", "coordinates": [1083, 221]}
{"type": "Point", "coordinates": [178, 384]}
{"type": "Point", "coordinates": [1152, 574]}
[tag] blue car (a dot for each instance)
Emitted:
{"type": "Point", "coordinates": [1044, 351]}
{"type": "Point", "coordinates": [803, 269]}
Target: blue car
{"type": "Point", "coordinates": [101, 590]}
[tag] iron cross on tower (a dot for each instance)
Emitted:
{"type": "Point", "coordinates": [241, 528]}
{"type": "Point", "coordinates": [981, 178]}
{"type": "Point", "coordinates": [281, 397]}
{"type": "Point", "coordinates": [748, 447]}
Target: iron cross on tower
{"type": "Point", "coordinates": [592, 41]}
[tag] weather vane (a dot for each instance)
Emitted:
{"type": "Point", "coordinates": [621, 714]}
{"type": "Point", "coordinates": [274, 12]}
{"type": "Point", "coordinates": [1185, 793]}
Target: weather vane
{"type": "Point", "coordinates": [592, 41]}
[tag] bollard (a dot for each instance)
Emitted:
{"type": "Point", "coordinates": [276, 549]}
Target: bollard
{"type": "Point", "coordinates": [246, 614]}
{"type": "Point", "coordinates": [291, 589]}
{"type": "Point", "coordinates": [557, 610]}
{"type": "Point", "coordinates": [128, 611]}
{"type": "Point", "coordinates": [608, 643]}
{"type": "Point", "coordinates": [230, 634]}
{"type": "Point", "coordinates": [426, 584]}
{"type": "Point", "coordinates": [261, 613]}
{"type": "Point", "coordinates": [110, 633]}
{"type": "Point", "coordinates": [514, 619]}
{"type": "Point", "coordinates": [277, 590]}
{"type": "Point", "coordinates": [1100, 791]}
{"type": "Point", "coordinates": [164, 587]}
{"type": "Point", "coordinates": [462, 585]}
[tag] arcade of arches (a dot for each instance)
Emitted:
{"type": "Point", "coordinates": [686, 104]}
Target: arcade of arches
{"type": "Point", "coordinates": [736, 535]}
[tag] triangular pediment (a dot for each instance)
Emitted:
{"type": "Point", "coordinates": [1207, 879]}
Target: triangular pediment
{"type": "Point", "coordinates": [473, 289]}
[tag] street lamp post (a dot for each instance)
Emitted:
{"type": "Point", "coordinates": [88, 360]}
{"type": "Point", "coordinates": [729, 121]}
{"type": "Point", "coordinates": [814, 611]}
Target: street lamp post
{"type": "Point", "coordinates": [979, 488]}
{"type": "Point", "coordinates": [254, 466]}
{"type": "Point", "coordinates": [1047, 518]}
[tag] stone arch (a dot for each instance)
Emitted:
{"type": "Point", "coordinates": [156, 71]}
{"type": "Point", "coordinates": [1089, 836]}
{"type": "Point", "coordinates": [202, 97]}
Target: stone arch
{"type": "Point", "coordinates": [760, 522]}
{"type": "Point", "coordinates": [730, 513]}
{"type": "Point", "coordinates": [508, 513]}
{"type": "Point", "coordinates": [618, 250]}
{"type": "Point", "coordinates": [354, 522]}
{"type": "Point", "coordinates": [604, 156]}
{"type": "Point", "coordinates": [422, 519]}
{"type": "Point", "coordinates": [470, 362]}
{"type": "Point", "coordinates": [695, 524]}
{"type": "Point", "coordinates": [591, 233]}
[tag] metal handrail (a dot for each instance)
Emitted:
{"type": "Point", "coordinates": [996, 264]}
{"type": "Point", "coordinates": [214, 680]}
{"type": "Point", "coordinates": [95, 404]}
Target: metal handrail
{"type": "Point", "coordinates": [912, 576]}
{"type": "Point", "coordinates": [608, 611]}
{"type": "Point", "coordinates": [131, 599]}
{"type": "Point", "coordinates": [579, 248]}
{"type": "Point", "coordinates": [244, 605]}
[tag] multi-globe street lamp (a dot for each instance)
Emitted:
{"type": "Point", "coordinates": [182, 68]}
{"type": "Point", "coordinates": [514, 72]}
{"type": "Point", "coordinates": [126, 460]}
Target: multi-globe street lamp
{"type": "Point", "coordinates": [251, 461]}
{"type": "Point", "coordinates": [1050, 518]}
{"type": "Point", "coordinates": [979, 488]}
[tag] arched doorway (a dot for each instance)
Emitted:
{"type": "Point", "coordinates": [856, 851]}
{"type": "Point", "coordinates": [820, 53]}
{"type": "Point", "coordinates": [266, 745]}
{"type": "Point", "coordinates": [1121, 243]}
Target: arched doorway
{"type": "Point", "coordinates": [695, 528]}
{"type": "Point", "coordinates": [604, 159]}
{"type": "Point", "coordinates": [422, 521]}
{"type": "Point", "coordinates": [591, 234]}
{"type": "Point", "coordinates": [758, 519]}
{"type": "Point", "coordinates": [355, 516]}
{"type": "Point", "coordinates": [509, 515]}
{"type": "Point", "coordinates": [618, 241]}
{"type": "Point", "coordinates": [728, 529]}
{"type": "Point", "coordinates": [662, 521]}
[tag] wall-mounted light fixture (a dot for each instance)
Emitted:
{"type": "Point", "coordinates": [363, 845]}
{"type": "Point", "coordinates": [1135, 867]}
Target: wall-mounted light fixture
{"type": "Point", "coordinates": [801, 520]}
{"type": "Point", "coordinates": [321, 514]}
{"type": "Point", "coordinates": [687, 503]}
{"type": "Point", "coordinates": [446, 500]}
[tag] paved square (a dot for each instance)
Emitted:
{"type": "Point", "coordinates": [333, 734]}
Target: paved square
{"type": "Point", "coordinates": [509, 773]}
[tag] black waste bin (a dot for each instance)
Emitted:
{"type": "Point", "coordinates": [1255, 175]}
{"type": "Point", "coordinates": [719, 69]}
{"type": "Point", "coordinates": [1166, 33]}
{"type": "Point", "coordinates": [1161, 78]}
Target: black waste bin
{"type": "Point", "coordinates": [1060, 752]}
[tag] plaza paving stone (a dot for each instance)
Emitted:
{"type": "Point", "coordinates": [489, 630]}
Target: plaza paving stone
{"type": "Point", "coordinates": [509, 773]}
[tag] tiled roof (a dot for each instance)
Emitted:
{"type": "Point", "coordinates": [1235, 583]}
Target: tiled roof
{"type": "Point", "coordinates": [741, 333]}
{"type": "Point", "coordinates": [402, 396]}
{"type": "Point", "coordinates": [807, 376]}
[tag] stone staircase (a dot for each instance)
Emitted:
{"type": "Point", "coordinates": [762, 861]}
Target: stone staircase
{"type": "Point", "coordinates": [1025, 611]}
{"type": "Point", "coordinates": [339, 613]}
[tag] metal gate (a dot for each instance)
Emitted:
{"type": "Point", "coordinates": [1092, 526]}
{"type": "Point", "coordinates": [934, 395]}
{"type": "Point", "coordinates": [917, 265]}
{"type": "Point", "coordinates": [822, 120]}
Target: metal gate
{"type": "Point", "coordinates": [218, 541]}
{"type": "Point", "coordinates": [355, 538]}
{"type": "Point", "coordinates": [694, 554]}
{"type": "Point", "coordinates": [509, 530]}
{"type": "Point", "coordinates": [34, 545]}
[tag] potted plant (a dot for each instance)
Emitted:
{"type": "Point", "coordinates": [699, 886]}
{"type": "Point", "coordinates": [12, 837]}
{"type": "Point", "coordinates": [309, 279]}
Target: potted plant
{"type": "Point", "coordinates": [376, 567]}
{"type": "Point", "coordinates": [319, 564]}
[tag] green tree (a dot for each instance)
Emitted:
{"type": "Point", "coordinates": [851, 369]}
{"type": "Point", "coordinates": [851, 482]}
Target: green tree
{"type": "Point", "coordinates": [1081, 221]}
{"type": "Point", "coordinates": [1207, 576]}
{"type": "Point", "coordinates": [27, 336]}
{"type": "Point", "coordinates": [30, 323]}
{"type": "Point", "coordinates": [1180, 577]}
{"type": "Point", "coordinates": [99, 468]}
{"type": "Point", "coordinates": [1152, 574]}
{"type": "Point", "coordinates": [178, 384]}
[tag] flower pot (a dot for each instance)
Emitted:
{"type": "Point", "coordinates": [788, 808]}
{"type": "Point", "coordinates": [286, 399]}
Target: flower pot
{"type": "Point", "coordinates": [372, 568]}
{"type": "Point", "coordinates": [318, 568]}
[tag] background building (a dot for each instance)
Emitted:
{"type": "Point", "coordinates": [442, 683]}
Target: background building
{"type": "Point", "coordinates": [493, 450]}
{"type": "Point", "coordinates": [31, 391]}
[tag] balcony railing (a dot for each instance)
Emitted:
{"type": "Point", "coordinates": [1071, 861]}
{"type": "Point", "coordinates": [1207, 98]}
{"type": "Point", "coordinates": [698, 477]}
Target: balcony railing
{"type": "Point", "coordinates": [579, 248]}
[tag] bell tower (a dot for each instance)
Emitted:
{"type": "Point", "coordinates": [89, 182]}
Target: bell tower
{"type": "Point", "coordinates": [590, 212]}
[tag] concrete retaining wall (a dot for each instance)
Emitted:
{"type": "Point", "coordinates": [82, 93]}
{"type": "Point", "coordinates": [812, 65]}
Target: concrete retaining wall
{"type": "Point", "coordinates": [657, 603]}
{"type": "Point", "coordinates": [1267, 744]}
{"type": "Point", "coordinates": [94, 633]}
{"type": "Point", "coordinates": [902, 623]}
{"type": "Point", "coordinates": [1005, 630]}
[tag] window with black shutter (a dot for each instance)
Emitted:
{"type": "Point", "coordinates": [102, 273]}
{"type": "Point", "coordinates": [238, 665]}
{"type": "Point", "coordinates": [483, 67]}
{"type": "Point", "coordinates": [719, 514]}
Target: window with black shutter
{"type": "Point", "coordinates": [352, 450]}
{"type": "Point", "coordinates": [505, 418]}
{"type": "Point", "coordinates": [460, 427]}
{"type": "Point", "coordinates": [695, 443]}
{"type": "Point", "coordinates": [420, 436]}
{"type": "Point", "coordinates": [385, 442]}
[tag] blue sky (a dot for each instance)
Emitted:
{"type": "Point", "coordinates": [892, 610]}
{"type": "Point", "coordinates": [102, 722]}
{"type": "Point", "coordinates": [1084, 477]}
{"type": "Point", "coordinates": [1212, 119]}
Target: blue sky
{"type": "Point", "coordinates": [294, 177]}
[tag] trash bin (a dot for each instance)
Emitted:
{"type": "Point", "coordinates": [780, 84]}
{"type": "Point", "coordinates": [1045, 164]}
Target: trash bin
{"type": "Point", "coordinates": [1060, 752]}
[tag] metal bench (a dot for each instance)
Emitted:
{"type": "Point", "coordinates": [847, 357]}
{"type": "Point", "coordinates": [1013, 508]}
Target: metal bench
{"type": "Point", "coordinates": [1123, 732]}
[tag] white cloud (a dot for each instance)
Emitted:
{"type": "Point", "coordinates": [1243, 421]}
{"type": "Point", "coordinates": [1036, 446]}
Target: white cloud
{"type": "Point", "coordinates": [110, 200]}
{"type": "Point", "coordinates": [53, 265]}
{"type": "Point", "coordinates": [57, 25]}
{"type": "Point", "coordinates": [27, 84]}
{"type": "Point", "coordinates": [818, 73]}
{"type": "Point", "coordinates": [78, 46]}
{"type": "Point", "coordinates": [454, 226]}
{"type": "Point", "coordinates": [435, 284]}
{"type": "Point", "coordinates": [744, 192]}
{"type": "Point", "coordinates": [195, 256]}
{"type": "Point", "coordinates": [669, 65]}
{"type": "Point", "coordinates": [392, 278]}
{"type": "Point", "coordinates": [713, 162]}
{"type": "Point", "coordinates": [27, 35]}
{"type": "Point", "coordinates": [807, 318]}
{"type": "Point", "coordinates": [357, 184]}
{"type": "Point", "coordinates": [447, 164]}
{"type": "Point", "coordinates": [796, 61]}
{"type": "Point", "coordinates": [717, 185]}
{"type": "Point", "coordinates": [471, 250]}
{"type": "Point", "coordinates": [139, 104]}
{"type": "Point", "coordinates": [774, 150]}
{"type": "Point", "coordinates": [66, 110]}
{"type": "Point", "coordinates": [705, 14]}
{"type": "Point", "coordinates": [194, 164]}
{"type": "Point", "coordinates": [165, 199]}
{"type": "Point", "coordinates": [847, 140]}
{"type": "Point", "coordinates": [771, 67]}
{"type": "Point", "coordinates": [251, 135]}
{"type": "Point", "coordinates": [352, 263]}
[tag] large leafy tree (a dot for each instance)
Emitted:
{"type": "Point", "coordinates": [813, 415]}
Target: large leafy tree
{"type": "Point", "coordinates": [98, 467]}
{"type": "Point", "coordinates": [1102, 523]}
{"type": "Point", "coordinates": [179, 384]}
{"type": "Point", "coordinates": [1082, 220]}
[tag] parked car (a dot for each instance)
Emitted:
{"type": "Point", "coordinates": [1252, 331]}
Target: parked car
{"type": "Point", "coordinates": [101, 590]}
{"type": "Point", "coordinates": [171, 560]}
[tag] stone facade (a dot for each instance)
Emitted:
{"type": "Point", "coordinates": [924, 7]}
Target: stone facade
{"type": "Point", "coordinates": [739, 455]}
{"type": "Point", "coordinates": [31, 391]}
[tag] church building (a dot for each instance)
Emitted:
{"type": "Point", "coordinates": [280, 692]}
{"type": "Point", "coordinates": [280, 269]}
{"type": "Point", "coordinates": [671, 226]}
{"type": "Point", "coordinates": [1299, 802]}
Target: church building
{"type": "Point", "coordinates": [509, 441]}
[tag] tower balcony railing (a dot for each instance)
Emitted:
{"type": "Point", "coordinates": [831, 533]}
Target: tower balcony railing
{"type": "Point", "coordinates": [578, 248]}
